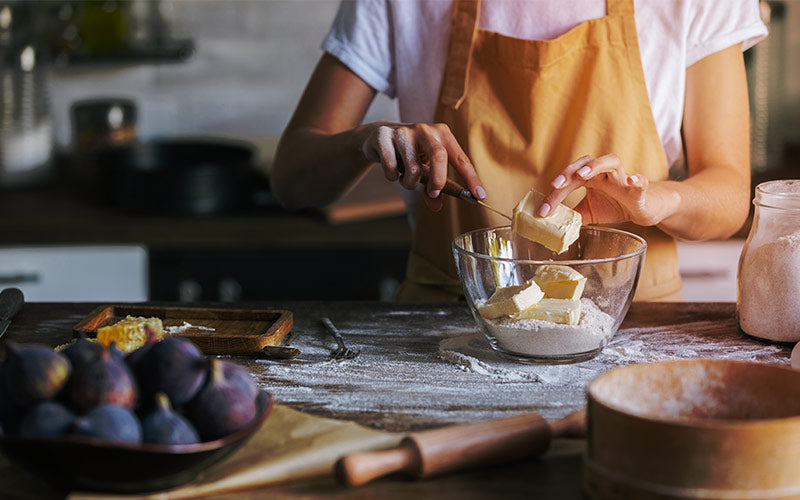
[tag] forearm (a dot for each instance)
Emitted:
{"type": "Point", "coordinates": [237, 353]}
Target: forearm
{"type": "Point", "coordinates": [713, 203]}
{"type": "Point", "coordinates": [312, 168]}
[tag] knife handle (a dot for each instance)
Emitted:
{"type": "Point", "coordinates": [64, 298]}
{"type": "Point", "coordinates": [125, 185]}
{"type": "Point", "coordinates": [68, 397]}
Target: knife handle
{"type": "Point", "coordinates": [452, 188]}
{"type": "Point", "coordinates": [11, 300]}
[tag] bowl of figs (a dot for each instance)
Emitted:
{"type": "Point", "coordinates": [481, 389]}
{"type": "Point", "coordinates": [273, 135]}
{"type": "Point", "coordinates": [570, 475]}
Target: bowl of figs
{"type": "Point", "coordinates": [91, 417]}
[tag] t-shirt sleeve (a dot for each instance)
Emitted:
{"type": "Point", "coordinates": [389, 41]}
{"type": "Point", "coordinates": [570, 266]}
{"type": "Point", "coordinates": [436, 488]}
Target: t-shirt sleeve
{"type": "Point", "coordinates": [361, 38]}
{"type": "Point", "coordinates": [716, 25]}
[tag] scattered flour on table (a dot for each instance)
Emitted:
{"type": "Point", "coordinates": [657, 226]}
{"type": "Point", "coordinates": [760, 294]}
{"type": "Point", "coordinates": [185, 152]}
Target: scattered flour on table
{"type": "Point", "coordinates": [451, 374]}
{"type": "Point", "coordinates": [545, 338]}
{"type": "Point", "coordinates": [769, 301]}
{"type": "Point", "coordinates": [185, 326]}
{"type": "Point", "coordinates": [472, 353]}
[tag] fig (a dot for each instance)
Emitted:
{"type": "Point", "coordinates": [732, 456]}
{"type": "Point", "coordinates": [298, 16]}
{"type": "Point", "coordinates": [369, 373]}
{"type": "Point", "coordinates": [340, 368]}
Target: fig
{"type": "Point", "coordinates": [109, 422]}
{"type": "Point", "coordinates": [174, 366]}
{"type": "Point", "coordinates": [33, 373]}
{"type": "Point", "coordinates": [82, 351]}
{"type": "Point", "coordinates": [238, 376]}
{"type": "Point", "coordinates": [47, 419]}
{"type": "Point", "coordinates": [164, 426]}
{"type": "Point", "coordinates": [223, 405]}
{"type": "Point", "coordinates": [133, 357]}
{"type": "Point", "coordinates": [116, 352]}
{"type": "Point", "coordinates": [103, 381]}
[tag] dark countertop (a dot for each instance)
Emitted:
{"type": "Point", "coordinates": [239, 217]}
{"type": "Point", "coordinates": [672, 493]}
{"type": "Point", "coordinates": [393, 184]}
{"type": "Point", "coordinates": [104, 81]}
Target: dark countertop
{"type": "Point", "coordinates": [406, 378]}
{"type": "Point", "coordinates": [58, 214]}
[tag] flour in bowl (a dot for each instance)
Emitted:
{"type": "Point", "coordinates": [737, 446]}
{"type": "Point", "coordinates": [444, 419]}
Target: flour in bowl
{"type": "Point", "coordinates": [535, 337]}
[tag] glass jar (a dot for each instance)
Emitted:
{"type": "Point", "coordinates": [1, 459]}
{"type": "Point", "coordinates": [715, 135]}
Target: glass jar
{"type": "Point", "coordinates": [26, 129]}
{"type": "Point", "coordinates": [768, 292]}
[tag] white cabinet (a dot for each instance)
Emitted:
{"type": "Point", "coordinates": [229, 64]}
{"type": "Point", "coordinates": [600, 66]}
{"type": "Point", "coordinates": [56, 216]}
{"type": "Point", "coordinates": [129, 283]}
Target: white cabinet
{"type": "Point", "coordinates": [76, 273]}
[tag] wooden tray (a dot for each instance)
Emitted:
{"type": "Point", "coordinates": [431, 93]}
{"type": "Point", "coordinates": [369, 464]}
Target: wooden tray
{"type": "Point", "coordinates": [214, 330]}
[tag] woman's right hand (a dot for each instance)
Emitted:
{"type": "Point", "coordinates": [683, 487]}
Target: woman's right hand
{"type": "Point", "coordinates": [407, 151]}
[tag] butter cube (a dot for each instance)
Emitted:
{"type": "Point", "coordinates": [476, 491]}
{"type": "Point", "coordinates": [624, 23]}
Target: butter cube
{"type": "Point", "coordinates": [557, 231]}
{"type": "Point", "coordinates": [509, 300]}
{"type": "Point", "coordinates": [131, 332]}
{"type": "Point", "coordinates": [560, 282]}
{"type": "Point", "coordinates": [563, 311]}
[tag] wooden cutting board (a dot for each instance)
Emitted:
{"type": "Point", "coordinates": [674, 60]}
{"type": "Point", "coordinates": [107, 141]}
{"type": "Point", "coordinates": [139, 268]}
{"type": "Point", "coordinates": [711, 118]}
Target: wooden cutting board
{"type": "Point", "coordinates": [214, 330]}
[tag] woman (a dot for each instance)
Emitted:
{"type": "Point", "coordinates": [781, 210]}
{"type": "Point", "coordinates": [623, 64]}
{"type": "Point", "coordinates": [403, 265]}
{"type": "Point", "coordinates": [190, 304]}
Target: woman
{"type": "Point", "coordinates": [505, 95]}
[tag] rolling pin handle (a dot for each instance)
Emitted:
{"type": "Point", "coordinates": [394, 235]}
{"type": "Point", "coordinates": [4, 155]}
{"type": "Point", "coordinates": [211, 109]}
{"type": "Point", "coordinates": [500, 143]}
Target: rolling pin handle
{"type": "Point", "coordinates": [360, 468]}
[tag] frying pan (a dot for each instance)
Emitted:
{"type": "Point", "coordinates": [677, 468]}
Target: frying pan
{"type": "Point", "coordinates": [190, 176]}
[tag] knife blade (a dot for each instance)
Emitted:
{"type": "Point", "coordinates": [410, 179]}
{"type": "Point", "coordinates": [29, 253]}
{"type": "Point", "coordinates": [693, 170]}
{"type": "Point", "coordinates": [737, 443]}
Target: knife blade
{"type": "Point", "coordinates": [11, 300]}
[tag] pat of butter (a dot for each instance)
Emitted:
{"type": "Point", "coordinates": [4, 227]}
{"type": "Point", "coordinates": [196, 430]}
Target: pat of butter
{"type": "Point", "coordinates": [563, 311]}
{"type": "Point", "coordinates": [560, 282]}
{"type": "Point", "coordinates": [509, 300]}
{"type": "Point", "coordinates": [557, 231]}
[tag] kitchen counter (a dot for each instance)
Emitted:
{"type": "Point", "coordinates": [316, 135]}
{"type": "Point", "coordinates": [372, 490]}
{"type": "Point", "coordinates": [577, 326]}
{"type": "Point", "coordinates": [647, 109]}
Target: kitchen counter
{"type": "Point", "coordinates": [57, 214]}
{"type": "Point", "coordinates": [262, 253]}
{"type": "Point", "coordinates": [423, 366]}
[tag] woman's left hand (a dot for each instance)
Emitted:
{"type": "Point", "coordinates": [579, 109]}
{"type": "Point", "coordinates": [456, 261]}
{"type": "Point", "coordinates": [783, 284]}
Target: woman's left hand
{"type": "Point", "coordinates": [611, 194]}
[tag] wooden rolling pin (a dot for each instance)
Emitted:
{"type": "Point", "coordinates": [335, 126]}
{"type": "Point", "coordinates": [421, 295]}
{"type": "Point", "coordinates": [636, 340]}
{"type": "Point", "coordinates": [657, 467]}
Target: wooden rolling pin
{"type": "Point", "coordinates": [461, 446]}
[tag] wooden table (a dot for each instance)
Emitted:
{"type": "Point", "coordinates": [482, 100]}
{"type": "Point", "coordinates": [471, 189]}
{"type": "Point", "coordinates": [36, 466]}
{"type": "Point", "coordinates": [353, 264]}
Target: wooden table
{"type": "Point", "coordinates": [423, 366]}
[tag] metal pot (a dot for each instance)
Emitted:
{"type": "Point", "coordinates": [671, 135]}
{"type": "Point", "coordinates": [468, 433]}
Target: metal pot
{"type": "Point", "coordinates": [194, 176]}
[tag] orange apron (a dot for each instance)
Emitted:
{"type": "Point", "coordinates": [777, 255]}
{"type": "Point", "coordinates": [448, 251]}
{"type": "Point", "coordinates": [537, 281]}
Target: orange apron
{"type": "Point", "coordinates": [524, 109]}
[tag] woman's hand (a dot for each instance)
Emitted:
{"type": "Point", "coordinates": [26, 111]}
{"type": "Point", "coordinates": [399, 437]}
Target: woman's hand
{"type": "Point", "coordinates": [611, 194]}
{"type": "Point", "coordinates": [410, 151]}
{"type": "Point", "coordinates": [714, 201]}
{"type": "Point", "coordinates": [325, 130]}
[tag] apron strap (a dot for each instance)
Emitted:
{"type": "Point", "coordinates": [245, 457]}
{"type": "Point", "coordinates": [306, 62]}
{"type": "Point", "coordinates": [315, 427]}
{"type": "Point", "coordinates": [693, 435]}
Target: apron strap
{"type": "Point", "coordinates": [619, 7]}
{"type": "Point", "coordinates": [463, 26]}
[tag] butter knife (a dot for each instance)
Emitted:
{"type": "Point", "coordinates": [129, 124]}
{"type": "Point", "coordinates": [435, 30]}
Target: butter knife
{"type": "Point", "coordinates": [11, 300]}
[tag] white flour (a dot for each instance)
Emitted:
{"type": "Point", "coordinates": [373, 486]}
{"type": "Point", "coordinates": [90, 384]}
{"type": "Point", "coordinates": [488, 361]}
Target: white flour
{"type": "Point", "coordinates": [769, 294]}
{"type": "Point", "coordinates": [447, 372]}
{"type": "Point", "coordinates": [185, 326]}
{"type": "Point", "coordinates": [545, 338]}
{"type": "Point", "coordinates": [472, 353]}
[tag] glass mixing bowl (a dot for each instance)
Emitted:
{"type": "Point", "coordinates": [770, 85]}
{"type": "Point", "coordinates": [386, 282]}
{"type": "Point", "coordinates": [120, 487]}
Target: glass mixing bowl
{"type": "Point", "coordinates": [610, 259]}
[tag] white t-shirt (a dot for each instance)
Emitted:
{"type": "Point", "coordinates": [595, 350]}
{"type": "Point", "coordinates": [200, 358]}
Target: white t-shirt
{"type": "Point", "coordinates": [399, 46]}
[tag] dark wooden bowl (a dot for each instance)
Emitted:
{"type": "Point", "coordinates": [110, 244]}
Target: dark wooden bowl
{"type": "Point", "coordinates": [95, 465]}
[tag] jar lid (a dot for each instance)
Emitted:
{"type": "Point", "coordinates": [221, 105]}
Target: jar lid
{"type": "Point", "coordinates": [779, 194]}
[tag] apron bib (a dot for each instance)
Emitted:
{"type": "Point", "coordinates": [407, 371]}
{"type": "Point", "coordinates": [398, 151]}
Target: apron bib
{"type": "Point", "coordinates": [524, 109]}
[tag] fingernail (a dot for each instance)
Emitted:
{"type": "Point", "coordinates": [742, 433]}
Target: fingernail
{"type": "Point", "coordinates": [583, 172]}
{"type": "Point", "coordinates": [434, 193]}
{"type": "Point", "coordinates": [559, 181]}
{"type": "Point", "coordinates": [544, 209]}
{"type": "Point", "coordinates": [632, 180]}
{"type": "Point", "coordinates": [481, 192]}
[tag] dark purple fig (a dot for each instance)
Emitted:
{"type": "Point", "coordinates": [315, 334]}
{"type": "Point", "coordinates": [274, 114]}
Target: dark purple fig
{"type": "Point", "coordinates": [238, 376]}
{"type": "Point", "coordinates": [174, 366]}
{"type": "Point", "coordinates": [116, 352]}
{"type": "Point", "coordinates": [47, 419]}
{"type": "Point", "coordinates": [82, 351]}
{"type": "Point", "coordinates": [103, 381]}
{"type": "Point", "coordinates": [223, 406]}
{"type": "Point", "coordinates": [133, 357]}
{"type": "Point", "coordinates": [33, 373]}
{"type": "Point", "coordinates": [109, 422]}
{"type": "Point", "coordinates": [164, 426]}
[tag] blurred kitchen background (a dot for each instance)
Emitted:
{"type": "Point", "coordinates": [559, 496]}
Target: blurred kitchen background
{"type": "Point", "coordinates": [99, 96]}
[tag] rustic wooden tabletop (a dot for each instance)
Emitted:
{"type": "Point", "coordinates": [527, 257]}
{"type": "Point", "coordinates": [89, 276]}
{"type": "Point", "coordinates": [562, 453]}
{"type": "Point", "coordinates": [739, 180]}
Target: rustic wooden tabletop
{"type": "Point", "coordinates": [423, 366]}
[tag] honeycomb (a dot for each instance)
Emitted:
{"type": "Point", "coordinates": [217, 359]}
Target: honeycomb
{"type": "Point", "coordinates": [131, 332]}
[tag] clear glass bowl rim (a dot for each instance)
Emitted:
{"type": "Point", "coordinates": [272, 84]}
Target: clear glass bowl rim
{"type": "Point", "coordinates": [620, 257]}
